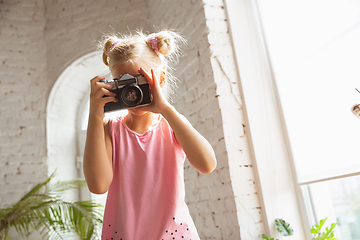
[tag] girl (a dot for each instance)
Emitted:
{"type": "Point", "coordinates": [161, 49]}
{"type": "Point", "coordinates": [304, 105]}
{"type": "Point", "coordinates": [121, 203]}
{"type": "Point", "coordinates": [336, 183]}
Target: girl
{"type": "Point", "coordinates": [139, 158]}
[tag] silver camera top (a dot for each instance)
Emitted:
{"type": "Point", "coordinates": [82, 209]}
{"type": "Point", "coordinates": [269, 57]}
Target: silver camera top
{"type": "Point", "coordinates": [126, 79]}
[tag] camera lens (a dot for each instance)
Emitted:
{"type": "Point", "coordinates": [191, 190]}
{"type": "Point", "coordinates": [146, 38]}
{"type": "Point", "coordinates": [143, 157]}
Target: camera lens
{"type": "Point", "coordinates": [131, 95]}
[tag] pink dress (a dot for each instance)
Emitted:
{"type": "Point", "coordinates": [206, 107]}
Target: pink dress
{"type": "Point", "coordinates": [146, 199]}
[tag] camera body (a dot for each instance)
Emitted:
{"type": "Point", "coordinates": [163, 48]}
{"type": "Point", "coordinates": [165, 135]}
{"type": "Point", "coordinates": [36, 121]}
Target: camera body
{"type": "Point", "coordinates": [130, 91]}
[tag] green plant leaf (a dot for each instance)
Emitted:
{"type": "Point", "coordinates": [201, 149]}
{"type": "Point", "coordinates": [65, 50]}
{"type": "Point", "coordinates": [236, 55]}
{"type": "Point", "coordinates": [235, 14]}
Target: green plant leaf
{"type": "Point", "coordinates": [329, 232]}
{"type": "Point", "coordinates": [44, 210]}
{"type": "Point", "coordinates": [317, 227]}
{"type": "Point", "coordinates": [37, 188]}
{"type": "Point", "coordinates": [333, 225]}
{"type": "Point", "coordinates": [267, 238]}
{"type": "Point", "coordinates": [283, 227]}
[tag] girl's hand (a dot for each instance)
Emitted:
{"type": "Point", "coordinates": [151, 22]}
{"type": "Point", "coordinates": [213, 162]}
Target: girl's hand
{"type": "Point", "coordinates": [97, 101]}
{"type": "Point", "coordinates": [159, 102]}
{"type": "Point", "coordinates": [197, 149]}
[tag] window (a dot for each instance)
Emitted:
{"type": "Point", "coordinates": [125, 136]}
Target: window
{"type": "Point", "coordinates": [298, 63]}
{"type": "Point", "coordinates": [339, 200]}
{"type": "Point", "coordinates": [62, 117]}
{"type": "Point", "coordinates": [315, 58]}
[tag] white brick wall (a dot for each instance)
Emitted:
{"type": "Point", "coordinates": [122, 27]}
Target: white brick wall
{"type": "Point", "coordinates": [22, 113]}
{"type": "Point", "coordinates": [242, 175]}
{"type": "Point", "coordinates": [40, 39]}
{"type": "Point", "coordinates": [22, 98]}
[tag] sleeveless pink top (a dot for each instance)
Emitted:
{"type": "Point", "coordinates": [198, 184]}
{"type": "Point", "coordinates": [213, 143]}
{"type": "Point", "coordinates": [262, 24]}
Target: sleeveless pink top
{"type": "Point", "coordinates": [146, 199]}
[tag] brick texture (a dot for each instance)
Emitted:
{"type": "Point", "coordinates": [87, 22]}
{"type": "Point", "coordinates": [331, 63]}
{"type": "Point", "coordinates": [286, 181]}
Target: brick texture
{"type": "Point", "coordinates": [22, 112]}
{"type": "Point", "coordinates": [40, 39]}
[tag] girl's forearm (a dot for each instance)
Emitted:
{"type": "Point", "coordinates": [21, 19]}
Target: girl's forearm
{"type": "Point", "coordinates": [197, 149]}
{"type": "Point", "coordinates": [97, 164]}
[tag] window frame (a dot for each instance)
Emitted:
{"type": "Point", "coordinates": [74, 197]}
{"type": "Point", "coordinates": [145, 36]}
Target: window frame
{"type": "Point", "coordinates": [280, 194]}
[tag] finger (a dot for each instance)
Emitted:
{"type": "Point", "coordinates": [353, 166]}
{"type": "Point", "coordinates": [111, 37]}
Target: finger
{"type": "Point", "coordinates": [96, 79]}
{"type": "Point", "coordinates": [154, 77]}
{"type": "Point", "coordinates": [99, 85]}
{"type": "Point", "coordinates": [101, 92]}
{"type": "Point", "coordinates": [146, 75]}
{"type": "Point", "coordinates": [108, 99]}
{"type": "Point", "coordinates": [104, 85]}
{"type": "Point", "coordinates": [96, 84]}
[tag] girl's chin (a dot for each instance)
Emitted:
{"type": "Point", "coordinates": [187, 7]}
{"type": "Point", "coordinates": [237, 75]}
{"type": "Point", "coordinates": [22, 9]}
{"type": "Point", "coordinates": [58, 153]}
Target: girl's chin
{"type": "Point", "coordinates": [136, 111]}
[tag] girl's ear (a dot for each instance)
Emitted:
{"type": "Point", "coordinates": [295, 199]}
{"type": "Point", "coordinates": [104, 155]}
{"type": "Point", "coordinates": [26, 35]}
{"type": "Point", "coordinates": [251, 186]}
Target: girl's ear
{"type": "Point", "coordinates": [162, 78]}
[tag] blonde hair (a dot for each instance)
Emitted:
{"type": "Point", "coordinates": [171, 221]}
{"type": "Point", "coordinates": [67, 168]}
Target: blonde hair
{"type": "Point", "coordinates": [137, 48]}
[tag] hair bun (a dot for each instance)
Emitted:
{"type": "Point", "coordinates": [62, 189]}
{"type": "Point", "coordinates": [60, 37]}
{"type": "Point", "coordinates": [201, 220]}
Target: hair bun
{"type": "Point", "coordinates": [165, 42]}
{"type": "Point", "coordinates": [109, 44]}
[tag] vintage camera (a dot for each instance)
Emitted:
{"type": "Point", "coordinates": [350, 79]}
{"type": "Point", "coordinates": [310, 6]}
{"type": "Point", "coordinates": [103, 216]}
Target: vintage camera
{"type": "Point", "coordinates": [130, 91]}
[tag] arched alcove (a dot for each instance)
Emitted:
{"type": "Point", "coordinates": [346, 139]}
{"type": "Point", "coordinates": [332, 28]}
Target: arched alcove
{"type": "Point", "coordinates": [65, 107]}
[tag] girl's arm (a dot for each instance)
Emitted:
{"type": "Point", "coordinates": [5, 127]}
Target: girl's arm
{"type": "Point", "coordinates": [97, 162]}
{"type": "Point", "coordinates": [197, 149]}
